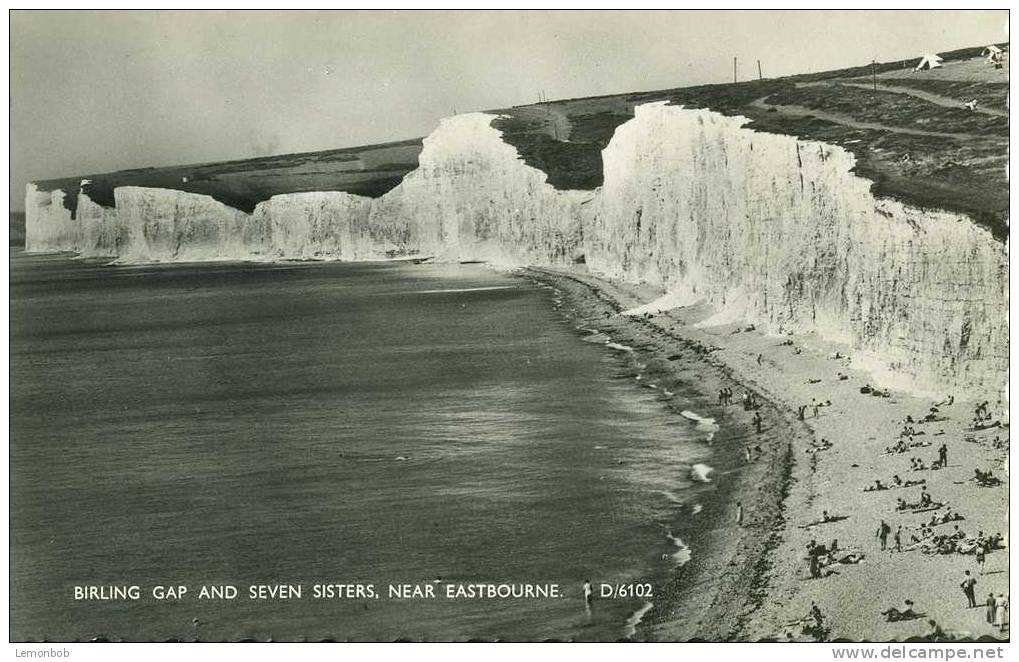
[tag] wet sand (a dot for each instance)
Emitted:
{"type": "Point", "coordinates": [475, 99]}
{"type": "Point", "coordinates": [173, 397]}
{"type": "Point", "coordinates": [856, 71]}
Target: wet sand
{"type": "Point", "coordinates": [752, 582]}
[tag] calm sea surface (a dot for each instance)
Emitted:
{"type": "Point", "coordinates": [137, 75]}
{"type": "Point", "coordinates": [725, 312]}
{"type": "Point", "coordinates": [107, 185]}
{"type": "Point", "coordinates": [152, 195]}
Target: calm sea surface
{"type": "Point", "coordinates": [324, 423]}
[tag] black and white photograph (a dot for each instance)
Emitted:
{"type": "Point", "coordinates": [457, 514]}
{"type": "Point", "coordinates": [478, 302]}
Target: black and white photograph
{"type": "Point", "coordinates": [509, 325]}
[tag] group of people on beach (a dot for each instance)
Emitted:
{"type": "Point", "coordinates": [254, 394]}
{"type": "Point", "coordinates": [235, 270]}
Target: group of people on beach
{"type": "Point", "coordinates": [985, 478]}
{"type": "Point", "coordinates": [896, 483]}
{"type": "Point", "coordinates": [997, 611]}
{"type": "Point", "coordinates": [820, 556]}
{"type": "Point", "coordinates": [814, 407]}
{"type": "Point", "coordinates": [997, 606]}
{"type": "Point", "coordinates": [748, 399]}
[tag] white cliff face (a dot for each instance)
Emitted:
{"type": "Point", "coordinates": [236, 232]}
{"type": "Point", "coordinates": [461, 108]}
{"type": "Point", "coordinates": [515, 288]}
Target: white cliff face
{"type": "Point", "coordinates": [766, 228]}
{"type": "Point", "coordinates": [473, 198]}
{"type": "Point", "coordinates": [48, 224]}
{"type": "Point", "coordinates": [779, 232]}
{"type": "Point", "coordinates": [175, 226]}
{"type": "Point", "coordinates": [103, 231]}
{"type": "Point", "coordinates": [319, 225]}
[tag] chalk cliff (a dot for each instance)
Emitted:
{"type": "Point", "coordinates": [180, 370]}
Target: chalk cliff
{"type": "Point", "coordinates": [48, 224]}
{"type": "Point", "coordinates": [472, 198]}
{"type": "Point", "coordinates": [766, 228]}
{"type": "Point", "coordinates": [780, 232]}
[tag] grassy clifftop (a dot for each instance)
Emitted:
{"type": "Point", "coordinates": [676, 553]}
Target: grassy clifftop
{"type": "Point", "coordinates": [370, 170]}
{"type": "Point", "coordinates": [910, 133]}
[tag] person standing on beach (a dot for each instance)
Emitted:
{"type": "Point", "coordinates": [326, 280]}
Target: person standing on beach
{"type": "Point", "coordinates": [898, 539]}
{"type": "Point", "coordinates": [991, 605]}
{"type": "Point", "coordinates": [968, 584]}
{"type": "Point", "coordinates": [757, 422]}
{"type": "Point", "coordinates": [981, 558]}
{"type": "Point", "coordinates": [588, 593]}
{"type": "Point", "coordinates": [739, 513]}
{"type": "Point", "coordinates": [943, 456]}
{"type": "Point", "coordinates": [813, 403]}
{"type": "Point", "coordinates": [882, 534]}
{"type": "Point", "coordinates": [1001, 612]}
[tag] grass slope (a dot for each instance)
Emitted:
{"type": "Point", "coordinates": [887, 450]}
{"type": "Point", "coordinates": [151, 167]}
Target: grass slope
{"type": "Point", "coordinates": [926, 153]}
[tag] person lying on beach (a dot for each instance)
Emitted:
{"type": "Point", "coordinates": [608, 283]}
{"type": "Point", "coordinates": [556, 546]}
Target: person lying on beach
{"type": "Point", "coordinates": [852, 558]}
{"type": "Point", "coordinates": [892, 614]}
{"type": "Point", "coordinates": [984, 425]}
{"type": "Point", "coordinates": [898, 447]}
{"type": "Point", "coordinates": [825, 519]}
{"type": "Point", "coordinates": [877, 486]}
{"type": "Point", "coordinates": [946, 402]}
{"type": "Point", "coordinates": [947, 517]}
{"type": "Point", "coordinates": [817, 447]}
{"type": "Point", "coordinates": [985, 478]}
{"type": "Point", "coordinates": [901, 446]}
{"type": "Point", "coordinates": [918, 507]}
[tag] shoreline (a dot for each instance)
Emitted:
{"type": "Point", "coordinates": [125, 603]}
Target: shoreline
{"type": "Point", "coordinates": [752, 583]}
{"type": "Point", "coordinates": [711, 596]}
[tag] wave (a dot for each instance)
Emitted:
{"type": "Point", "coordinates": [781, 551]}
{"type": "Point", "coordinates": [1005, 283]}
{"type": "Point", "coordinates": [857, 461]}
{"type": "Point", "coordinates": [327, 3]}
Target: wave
{"type": "Point", "coordinates": [704, 424]}
{"type": "Point", "coordinates": [466, 289]}
{"type": "Point", "coordinates": [635, 618]}
{"type": "Point", "coordinates": [699, 472]}
{"type": "Point", "coordinates": [671, 497]}
{"type": "Point", "coordinates": [682, 555]}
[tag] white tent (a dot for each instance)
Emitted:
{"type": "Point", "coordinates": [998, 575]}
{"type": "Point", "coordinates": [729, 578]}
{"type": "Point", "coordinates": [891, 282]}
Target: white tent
{"type": "Point", "coordinates": [992, 52]}
{"type": "Point", "coordinates": [929, 61]}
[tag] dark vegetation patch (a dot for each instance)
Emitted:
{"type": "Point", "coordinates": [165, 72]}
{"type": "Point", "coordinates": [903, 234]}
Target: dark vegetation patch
{"type": "Point", "coordinates": [243, 184]}
{"type": "Point", "coordinates": [564, 139]}
{"type": "Point", "coordinates": [892, 109]}
{"type": "Point", "coordinates": [989, 95]}
{"type": "Point", "coordinates": [933, 172]}
{"type": "Point", "coordinates": [17, 228]}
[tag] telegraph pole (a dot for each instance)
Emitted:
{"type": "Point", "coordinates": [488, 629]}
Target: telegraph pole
{"type": "Point", "coordinates": [873, 73]}
{"type": "Point", "coordinates": [734, 68]}
{"type": "Point", "coordinates": [760, 76]}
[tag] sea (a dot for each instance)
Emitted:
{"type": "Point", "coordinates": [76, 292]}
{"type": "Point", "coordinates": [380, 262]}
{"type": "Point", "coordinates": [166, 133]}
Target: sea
{"type": "Point", "coordinates": [303, 425]}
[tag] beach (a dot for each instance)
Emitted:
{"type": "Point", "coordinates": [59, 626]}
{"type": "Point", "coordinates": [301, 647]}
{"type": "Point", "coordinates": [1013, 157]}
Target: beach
{"type": "Point", "coordinates": [752, 581]}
